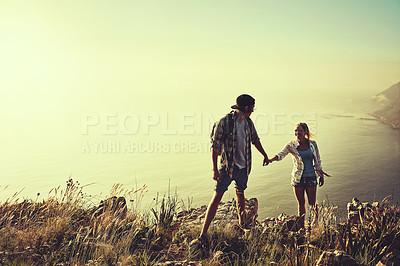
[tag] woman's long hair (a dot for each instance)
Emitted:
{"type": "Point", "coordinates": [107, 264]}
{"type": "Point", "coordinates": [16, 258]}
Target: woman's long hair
{"type": "Point", "coordinates": [305, 128]}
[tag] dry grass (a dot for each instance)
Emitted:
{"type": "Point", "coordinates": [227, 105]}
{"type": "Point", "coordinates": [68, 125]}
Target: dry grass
{"type": "Point", "coordinates": [60, 229]}
{"type": "Point", "coordinates": [66, 230]}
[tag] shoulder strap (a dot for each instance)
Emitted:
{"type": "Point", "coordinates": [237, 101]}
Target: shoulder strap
{"type": "Point", "coordinates": [250, 122]}
{"type": "Point", "coordinates": [230, 123]}
{"type": "Point", "coordinates": [230, 126]}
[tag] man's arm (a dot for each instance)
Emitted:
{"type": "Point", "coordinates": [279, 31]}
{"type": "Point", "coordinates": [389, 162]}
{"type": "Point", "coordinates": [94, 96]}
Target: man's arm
{"type": "Point", "coordinates": [260, 148]}
{"type": "Point", "coordinates": [214, 155]}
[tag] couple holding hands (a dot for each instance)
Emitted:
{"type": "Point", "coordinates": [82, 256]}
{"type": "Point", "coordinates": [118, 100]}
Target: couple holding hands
{"type": "Point", "coordinates": [232, 137]}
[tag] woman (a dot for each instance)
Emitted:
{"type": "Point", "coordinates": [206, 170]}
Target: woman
{"type": "Point", "coordinates": [306, 167]}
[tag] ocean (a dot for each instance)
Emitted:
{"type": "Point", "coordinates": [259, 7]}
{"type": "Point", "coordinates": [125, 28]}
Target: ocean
{"type": "Point", "coordinates": [168, 152]}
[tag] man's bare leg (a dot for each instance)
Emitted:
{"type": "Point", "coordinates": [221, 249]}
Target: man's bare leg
{"type": "Point", "coordinates": [241, 206]}
{"type": "Point", "coordinates": [211, 211]}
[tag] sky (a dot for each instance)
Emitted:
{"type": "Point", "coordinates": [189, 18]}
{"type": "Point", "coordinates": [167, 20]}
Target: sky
{"type": "Point", "coordinates": [62, 59]}
{"type": "Point", "coordinates": [184, 45]}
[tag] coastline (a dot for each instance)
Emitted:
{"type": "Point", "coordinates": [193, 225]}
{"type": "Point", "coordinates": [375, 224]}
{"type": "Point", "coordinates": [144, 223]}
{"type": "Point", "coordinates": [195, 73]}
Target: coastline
{"type": "Point", "coordinates": [385, 121]}
{"type": "Point", "coordinates": [389, 102]}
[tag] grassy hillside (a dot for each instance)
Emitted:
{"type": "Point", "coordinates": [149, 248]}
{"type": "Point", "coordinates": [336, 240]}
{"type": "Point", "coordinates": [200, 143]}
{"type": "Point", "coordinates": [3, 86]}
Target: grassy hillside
{"type": "Point", "coordinates": [65, 230]}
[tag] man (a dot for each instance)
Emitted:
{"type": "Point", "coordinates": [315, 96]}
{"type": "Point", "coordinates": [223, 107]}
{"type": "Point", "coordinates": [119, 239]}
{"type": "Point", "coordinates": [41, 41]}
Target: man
{"type": "Point", "coordinates": [231, 139]}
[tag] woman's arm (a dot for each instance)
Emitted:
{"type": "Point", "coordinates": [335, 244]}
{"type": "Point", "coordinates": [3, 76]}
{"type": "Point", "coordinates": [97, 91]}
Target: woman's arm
{"type": "Point", "coordinates": [322, 173]}
{"type": "Point", "coordinates": [285, 151]}
{"type": "Point", "coordinates": [318, 166]}
{"type": "Point", "coordinates": [275, 158]}
{"type": "Point", "coordinates": [317, 157]}
{"type": "Point", "coordinates": [282, 154]}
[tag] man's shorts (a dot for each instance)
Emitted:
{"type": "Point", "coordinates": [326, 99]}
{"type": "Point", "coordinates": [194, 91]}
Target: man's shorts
{"type": "Point", "coordinates": [239, 175]}
{"type": "Point", "coordinates": [306, 182]}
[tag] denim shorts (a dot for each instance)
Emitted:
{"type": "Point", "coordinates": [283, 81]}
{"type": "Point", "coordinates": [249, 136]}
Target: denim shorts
{"type": "Point", "coordinates": [239, 175]}
{"type": "Point", "coordinates": [306, 182]}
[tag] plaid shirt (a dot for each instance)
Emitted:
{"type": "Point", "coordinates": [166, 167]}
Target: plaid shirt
{"type": "Point", "coordinates": [225, 142]}
{"type": "Point", "coordinates": [298, 165]}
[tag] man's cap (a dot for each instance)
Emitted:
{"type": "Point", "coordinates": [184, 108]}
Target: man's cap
{"type": "Point", "coordinates": [242, 101]}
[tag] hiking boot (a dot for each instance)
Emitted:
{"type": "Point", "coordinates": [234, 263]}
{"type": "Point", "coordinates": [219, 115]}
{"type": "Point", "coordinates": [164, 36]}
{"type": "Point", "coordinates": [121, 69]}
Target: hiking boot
{"type": "Point", "coordinates": [198, 247]}
{"type": "Point", "coordinates": [201, 242]}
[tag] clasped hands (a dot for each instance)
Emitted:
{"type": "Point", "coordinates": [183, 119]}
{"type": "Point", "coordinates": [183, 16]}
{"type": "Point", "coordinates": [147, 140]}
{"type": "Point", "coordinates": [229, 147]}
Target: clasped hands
{"type": "Point", "coordinates": [268, 161]}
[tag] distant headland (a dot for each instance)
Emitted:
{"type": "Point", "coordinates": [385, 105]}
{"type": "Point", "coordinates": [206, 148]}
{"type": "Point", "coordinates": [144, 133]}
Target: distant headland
{"type": "Point", "coordinates": [389, 102]}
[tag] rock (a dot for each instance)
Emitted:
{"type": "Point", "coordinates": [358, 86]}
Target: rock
{"type": "Point", "coordinates": [226, 214]}
{"type": "Point", "coordinates": [366, 205]}
{"type": "Point", "coordinates": [114, 205]}
{"type": "Point", "coordinates": [353, 205]}
{"type": "Point", "coordinates": [268, 222]}
{"type": "Point", "coordinates": [336, 258]}
{"type": "Point", "coordinates": [355, 209]}
{"type": "Point", "coordinates": [290, 223]}
{"type": "Point", "coordinates": [251, 213]}
{"type": "Point", "coordinates": [282, 216]}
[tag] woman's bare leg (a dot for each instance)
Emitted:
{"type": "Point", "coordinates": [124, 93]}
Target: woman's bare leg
{"type": "Point", "coordinates": [312, 198]}
{"type": "Point", "coordinates": [299, 193]}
